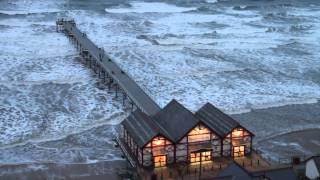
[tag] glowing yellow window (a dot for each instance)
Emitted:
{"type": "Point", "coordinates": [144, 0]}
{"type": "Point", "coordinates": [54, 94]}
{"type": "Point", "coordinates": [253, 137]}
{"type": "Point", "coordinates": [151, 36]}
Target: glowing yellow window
{"type": "Point", "coordinates": [238, 151]}
{"type": "Point", "coordinates": [200, 156]}
{"type": "Point", "coordinates": [160, 161]}
{"type": "Point", "coordinates": [237, 133]}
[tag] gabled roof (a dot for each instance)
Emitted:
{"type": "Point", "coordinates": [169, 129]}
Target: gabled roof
{"type": "Point", "coordinates": [215, 119]}
{"type": "Point", "coordinates": [175, 120]}
{"type": "Point", "coordinates": [141, 127]}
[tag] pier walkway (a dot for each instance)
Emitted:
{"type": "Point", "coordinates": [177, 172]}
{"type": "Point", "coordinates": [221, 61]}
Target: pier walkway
{"type": "Point", "coordinates": [108, 69]}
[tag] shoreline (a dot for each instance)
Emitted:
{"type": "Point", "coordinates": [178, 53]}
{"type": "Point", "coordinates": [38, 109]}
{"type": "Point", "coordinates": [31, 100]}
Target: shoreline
{"type": "Point", "coordinates": [35, 171]}
{"type": "Point", "coordinates": [273, 147]}
{"type": "Point", "coordinates": [285, 131]}
{"type": "Point", "coordinates": [282, 148]}
{"type": "Point", "coordinates": [271, 106]}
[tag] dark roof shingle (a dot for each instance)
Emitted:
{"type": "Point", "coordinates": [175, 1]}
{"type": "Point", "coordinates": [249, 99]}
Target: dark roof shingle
{"type": "Point", "coordinates": [215, 119]}
{"type": "Point", "coordinates": [175, 120]}
{"type": "Point", "coordinates": [141, 127]}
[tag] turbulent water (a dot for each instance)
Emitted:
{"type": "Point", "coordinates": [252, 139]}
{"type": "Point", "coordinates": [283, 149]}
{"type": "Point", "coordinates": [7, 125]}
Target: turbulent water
{"type": "Point", "coordinates": [238, 55]}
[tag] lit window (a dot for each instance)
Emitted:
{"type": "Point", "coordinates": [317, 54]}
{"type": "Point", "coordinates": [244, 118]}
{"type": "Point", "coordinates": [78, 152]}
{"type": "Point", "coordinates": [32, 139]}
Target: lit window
{"type": "Point", "coordinates": [199, 133]}
{"type": "Point", "coordinates": [158, 141]}
{"type": "Point", "coordinates": [237, 133]}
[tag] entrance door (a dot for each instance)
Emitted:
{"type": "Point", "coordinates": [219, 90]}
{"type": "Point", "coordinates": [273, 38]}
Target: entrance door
{"type": "Point", "coordinates": [200, 156]}
{"type": "Point", "coordinates": [160, 161]}
{"type": "Point", "coordinates": [238, 151]}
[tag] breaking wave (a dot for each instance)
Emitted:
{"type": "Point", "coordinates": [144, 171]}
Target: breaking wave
{"type": "Point", "coordinates": [26, 13]}
{"type": "Point", "coordinates": [148, 38]}
{"type": "Point", "coordinates": [300, 28]}
{"type": "Point", "coordinates": [294, 47]}
{"type": "Point", "coordinates": [244, 7]}
{"type": "Point", "coordinates": [154, 7]}
{"type": "Point", "coordinates": [283, 17]}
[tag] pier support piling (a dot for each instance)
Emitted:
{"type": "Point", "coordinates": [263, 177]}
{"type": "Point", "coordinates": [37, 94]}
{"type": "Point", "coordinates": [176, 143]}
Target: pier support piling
{"type": "Point", "coordinates": [111, 73]}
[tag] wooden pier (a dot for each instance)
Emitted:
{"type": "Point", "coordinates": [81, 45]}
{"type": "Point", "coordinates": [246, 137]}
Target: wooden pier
{"type": "Point", "coordinates": [107, 69]}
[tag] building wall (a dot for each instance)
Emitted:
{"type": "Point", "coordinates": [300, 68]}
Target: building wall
{"type": "Point", "coordinates": [147, 157]}
{"type": "Point", "coordinates": [140, 156]}
{"type": "Point", "coordinates": [157, 147]}
{"type": "Point", "coordinates": [215, 145]}
{"type": "Point", "coordinates": [311, 170]}
{"type": "Point", "coordinates": [238, 137]}
{"type": "Point", "coordinates": [198, 138]}
{"type": "Point", "coordinates": [133, 147]}
{"type": "Point", "coordinates": [226, 149]}
{"type": "Point", "coordinates": [182, 150]}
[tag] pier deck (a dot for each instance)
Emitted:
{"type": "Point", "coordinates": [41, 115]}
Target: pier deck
{"type": "Point", "coordinates": [125, 82]}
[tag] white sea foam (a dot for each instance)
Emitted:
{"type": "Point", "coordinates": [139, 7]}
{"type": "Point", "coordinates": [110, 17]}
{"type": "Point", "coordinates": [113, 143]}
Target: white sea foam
{"type": "Point", "coordinates": [225, 57]}
{"type": "Point", "coordinates": [26, 12]}
{"type": "Point", "coordinates": [155, 7]}
{"type": "Point", "coordinates": [39, 72]}
{"type": "Point", "coordinates": [212, 1]}
{"type": "Point", "coordinates": [170, 66]}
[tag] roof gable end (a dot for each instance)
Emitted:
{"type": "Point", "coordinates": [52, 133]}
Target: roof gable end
{"type": "Point", "coordinates": [217, 120]}
{"type": "Point", "coordinates": [176, 120]}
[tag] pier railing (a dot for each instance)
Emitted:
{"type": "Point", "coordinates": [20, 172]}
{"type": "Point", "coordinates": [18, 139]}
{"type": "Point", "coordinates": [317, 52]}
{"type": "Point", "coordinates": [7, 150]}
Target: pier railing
{"type": "Point", "coordinates": [108, 69]}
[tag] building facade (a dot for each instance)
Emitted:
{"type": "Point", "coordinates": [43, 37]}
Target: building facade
{"type": "Point", "coordinates": [313, 167]}
{"type": "Point", "coordinates": [176, 135]}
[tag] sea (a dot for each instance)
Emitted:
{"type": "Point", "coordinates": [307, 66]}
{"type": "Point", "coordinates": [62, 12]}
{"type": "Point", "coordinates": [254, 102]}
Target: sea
{"type": "Point", "coordinates": [239, 55]}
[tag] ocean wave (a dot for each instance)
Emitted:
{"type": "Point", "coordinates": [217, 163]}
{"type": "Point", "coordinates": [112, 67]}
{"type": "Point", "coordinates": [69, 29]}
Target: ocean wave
{"type": "Point", "coordinates": [98, 124]}
{"type": "Point", "coordinates": [5, 15]}
{"type": "Point", "coordinates": [246, 7]}
{"type": "Point", "coordinates": [41, 82]}
{"type": "Point", "coordinates": [211, 25]}
{"type": "Point", "coordinates": [150, 7]}
{"type": "Point", "coordinates": [282, 5]}
{"type": "Point", "coordinates": [275, 29]}
{"type": "Point", "coordinates": [300, 28]}
{"type": "Point", "coordinates": [85, 146]}
{"type": "Point", "coordinates": [4, 26]}
{"type": "Point", "coordinates": [212, 34]}
{"type": "Point", "coordinates": [283, 17]}
{"type": "Point", "coordinates": [26, 13]}
{"type": "Point", "coordinates": [292, 48]}
{"type": "Point", "coordinates": [147, 23]}
{"type": "Point", "coordinates": [212, 1]}
{"type": "Point", "coordinates": [296, 28]}
{"type": "Point", "coordinates": [168, 35]}
{"type": "Point", "coordinates": [148, 38]}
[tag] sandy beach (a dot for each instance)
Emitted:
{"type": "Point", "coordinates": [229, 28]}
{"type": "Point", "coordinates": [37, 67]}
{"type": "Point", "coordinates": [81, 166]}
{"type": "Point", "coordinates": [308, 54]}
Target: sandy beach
{"type": "Point", "coordinates": [293, 130]}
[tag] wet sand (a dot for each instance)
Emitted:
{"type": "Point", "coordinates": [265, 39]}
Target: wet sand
{"type": "Point", "coordinates": [303, 144]}
{"type": "Point", "coordinates": [41, 171]}
{"type": "Point", "coordinates": [284, 132]}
